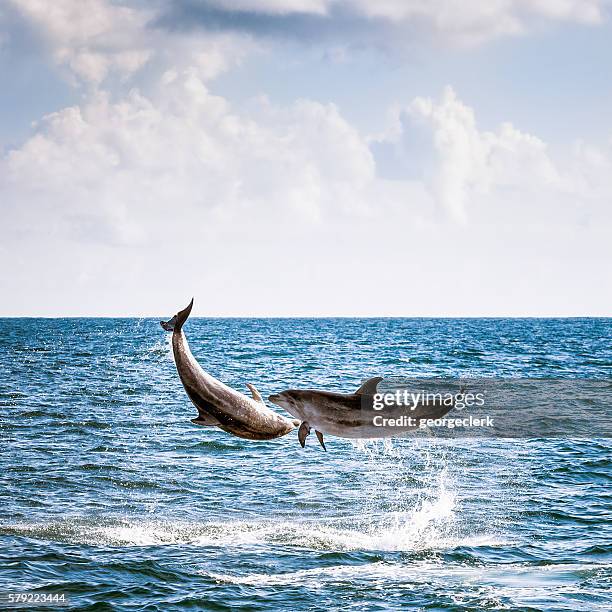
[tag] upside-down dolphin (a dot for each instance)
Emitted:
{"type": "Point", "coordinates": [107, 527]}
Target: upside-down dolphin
{"type": "Point", "coordinates": [219, 405]}
{"type": "Point", "coordinates": [353, 415]}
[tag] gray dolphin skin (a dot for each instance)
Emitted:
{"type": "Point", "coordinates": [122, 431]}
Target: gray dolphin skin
{"type": "Point", "coordinates": [219, 405]}
{"type": "Point", "coordinates": [351, 415]}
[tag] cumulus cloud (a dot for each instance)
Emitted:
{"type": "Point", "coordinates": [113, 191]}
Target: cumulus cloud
{"type": "Point", "coordinates": [126, 170]}
{"type": "Point", "coordinates": [97, 39]}
{"type": "Point", "coordinates": [92, 37]}
{"type": "Point", "coordinates": [440, 143]}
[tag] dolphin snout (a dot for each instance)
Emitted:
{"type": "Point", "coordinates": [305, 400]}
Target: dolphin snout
{"type": "Point", "coordinates": [275, 398]}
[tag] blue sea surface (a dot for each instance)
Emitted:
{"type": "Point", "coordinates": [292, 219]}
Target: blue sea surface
{"type": "Point", "coordinates": [109, 494]}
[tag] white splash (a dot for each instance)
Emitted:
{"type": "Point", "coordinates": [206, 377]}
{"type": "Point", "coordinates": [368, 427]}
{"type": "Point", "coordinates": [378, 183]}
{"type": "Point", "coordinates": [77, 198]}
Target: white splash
{"type": "Point", "coordinates": [430, 525]}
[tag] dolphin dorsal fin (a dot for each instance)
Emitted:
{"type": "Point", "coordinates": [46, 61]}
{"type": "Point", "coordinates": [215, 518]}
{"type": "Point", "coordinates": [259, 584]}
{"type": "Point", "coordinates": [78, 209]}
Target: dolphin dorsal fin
{"type": "Point", "coordinates": [369, 386]}
{"type": "Point", "coordinates": [255, 393]}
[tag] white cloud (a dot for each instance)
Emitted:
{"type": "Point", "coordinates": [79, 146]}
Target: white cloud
{"type": "Point", "coordinates": [128, 170]}
{"type": "Point", "coordinates": [274, 7]}
{"type": "Point", "coordinates": [442, 12]}
{"type": "Point", "coordinates": [96, 39]}
{"type": "Point", "coordinates": [114, 169]}
{"type": "Point", "coordinates": [474, 21]}
{"type": "Point", "coordinates": [447, 14]}
{"type": "Point", "coordinates": [468, 22]}
{"type": "Point", "coordinates": [441, 143]}
{"type": "Point", "coordinates": [581, 11]}
{"type": "Point", "coordinates": [91, 37]}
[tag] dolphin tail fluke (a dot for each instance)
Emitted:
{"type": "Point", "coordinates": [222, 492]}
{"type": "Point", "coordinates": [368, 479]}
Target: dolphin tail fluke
{"type": "Point", "coordinates": [320, 439]}
{"type": "Point", "coordinates": [176, 322]}
{"type": "Point", "coordinates": [303, 431]}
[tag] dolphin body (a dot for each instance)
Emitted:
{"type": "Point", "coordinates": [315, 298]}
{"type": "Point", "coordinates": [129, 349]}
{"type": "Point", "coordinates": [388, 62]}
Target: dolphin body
{"type": "Point", "coordinates": [352, 415]}
{"type": "Point", "coordinates": [219, 405]}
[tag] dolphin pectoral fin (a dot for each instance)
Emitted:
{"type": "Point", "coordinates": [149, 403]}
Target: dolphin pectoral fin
{"type": "Point", "coordinates": [320, 438]}
{"type": "Point", "coordinates": [204, 422]}
{"type": "Point", "coordinates": [255, 393]}
{"type": "Point", "coordinates": [303, 431]}
{"type": "Point", "coordinates": [369, 386]}
{"type": "Point", "coordinates": [205, 419]}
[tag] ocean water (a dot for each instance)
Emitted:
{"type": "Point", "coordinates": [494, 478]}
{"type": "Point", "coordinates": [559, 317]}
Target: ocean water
{"type": "Point", "coordinates": [110, 495]}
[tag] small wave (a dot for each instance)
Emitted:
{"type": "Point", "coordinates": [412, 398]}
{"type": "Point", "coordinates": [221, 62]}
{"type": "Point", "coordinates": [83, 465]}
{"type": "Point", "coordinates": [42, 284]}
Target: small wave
{"type": "Point", "coordinates": [13, 395]}
{"type": "Point", "coordinates": [397, 535]}
{"type": "Point", "coordinates": [335, 573]}
{"type": "Point", "coordinates": [376, 571]}
{"type": "Point", "coordinates": [430, 526]}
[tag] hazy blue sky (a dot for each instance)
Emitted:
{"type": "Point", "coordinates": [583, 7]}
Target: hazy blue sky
{"type": "Point", "coordinates": [306, 157]}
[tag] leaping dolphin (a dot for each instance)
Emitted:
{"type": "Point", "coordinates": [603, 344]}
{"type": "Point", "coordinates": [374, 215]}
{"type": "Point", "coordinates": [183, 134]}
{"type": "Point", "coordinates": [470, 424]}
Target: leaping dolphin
{"type": "Point", "coordinates": [352, 415]}
{"type": "Point", "coordinates": [219, 405]}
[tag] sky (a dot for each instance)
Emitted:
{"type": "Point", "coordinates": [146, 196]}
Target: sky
{"type": "Point", "coordinates": [306, 157]}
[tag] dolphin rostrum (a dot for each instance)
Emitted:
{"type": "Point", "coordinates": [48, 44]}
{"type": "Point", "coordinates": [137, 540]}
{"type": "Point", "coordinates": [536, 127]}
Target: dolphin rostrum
{"type": "Point", "coordinates": [354, 415]}
{"type": "Point", "coordinates": [219, 405]}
